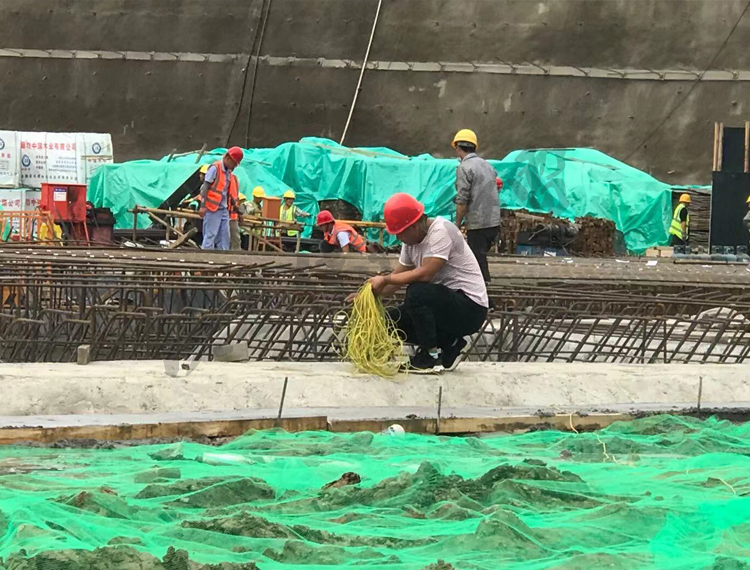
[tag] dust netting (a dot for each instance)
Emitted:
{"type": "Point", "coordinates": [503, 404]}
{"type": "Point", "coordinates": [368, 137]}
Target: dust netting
{"type": "Point", "coordinates": [661, 492]}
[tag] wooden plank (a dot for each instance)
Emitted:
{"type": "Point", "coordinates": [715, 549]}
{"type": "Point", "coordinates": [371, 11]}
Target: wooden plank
{"type": "Point", "coordinates": [720, 160]}
{"type": "Point", "coordinates": [234, 428]}
{"type": "Point", "coordinates": [454, 426]}
{"type": "Point", "coordinates": [125, 432]}
{"type": "Point", "coordinates": [715, 167]}
{"type": "Point", "coordinates": [183, 238]}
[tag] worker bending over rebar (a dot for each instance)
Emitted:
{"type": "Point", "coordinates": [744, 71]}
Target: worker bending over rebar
{"type": "Point", "coordinates": [446, 296]}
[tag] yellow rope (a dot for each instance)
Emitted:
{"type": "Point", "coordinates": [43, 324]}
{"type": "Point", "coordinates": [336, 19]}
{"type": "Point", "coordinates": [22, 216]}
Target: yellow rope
{"type": "Point", "coordinates": [372, 343]}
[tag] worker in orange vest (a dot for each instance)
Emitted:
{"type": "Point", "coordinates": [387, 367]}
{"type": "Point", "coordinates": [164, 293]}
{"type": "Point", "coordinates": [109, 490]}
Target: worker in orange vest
{"type": "Point", "coordinates": [338, 236]}
{"type": "Point", "coordinates": [218, 195]}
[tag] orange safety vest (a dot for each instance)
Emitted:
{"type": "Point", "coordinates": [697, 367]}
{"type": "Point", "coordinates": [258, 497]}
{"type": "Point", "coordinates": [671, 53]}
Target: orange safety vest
{"type": "Point", "coordinates": [355, 240]}
{"type": "Point", "coordinates": [214, 195]}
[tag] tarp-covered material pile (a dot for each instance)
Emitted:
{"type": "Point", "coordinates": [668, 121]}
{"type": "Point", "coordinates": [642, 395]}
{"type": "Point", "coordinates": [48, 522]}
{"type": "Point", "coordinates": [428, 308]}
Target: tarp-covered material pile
{"type": "Point", "coordinates": [662, 492]}
{"type": "Point", "coordinates": [569, 183]}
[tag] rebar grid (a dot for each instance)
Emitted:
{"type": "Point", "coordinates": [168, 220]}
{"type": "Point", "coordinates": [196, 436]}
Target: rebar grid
{"type": "Point", "coordinates": [168, 309]}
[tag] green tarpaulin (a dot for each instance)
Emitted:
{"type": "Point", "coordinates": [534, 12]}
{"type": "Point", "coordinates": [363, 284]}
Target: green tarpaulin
{"type": "Point", "coordinates": [662, 493]}
{"type": "Point", "coordinates": [569, 183]}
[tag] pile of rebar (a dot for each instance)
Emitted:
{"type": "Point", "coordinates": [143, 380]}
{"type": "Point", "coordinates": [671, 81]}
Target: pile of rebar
{"type": "Point", "coordinates": [125, 307]}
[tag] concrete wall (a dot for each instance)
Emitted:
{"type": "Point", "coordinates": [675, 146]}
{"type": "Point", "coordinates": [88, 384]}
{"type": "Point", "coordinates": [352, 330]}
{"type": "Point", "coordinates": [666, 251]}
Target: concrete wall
{"type": "Point", "coordinates": [152, 107]}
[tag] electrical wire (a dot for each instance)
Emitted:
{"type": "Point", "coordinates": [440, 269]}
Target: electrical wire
{"type": "Point", "coordinates": [371, 341]}
{"type": "Point", "coordinates": [362, 72]}
{"type": "Point", "coordinates": [260, 30]}
{"type": "Point", "coordinates": [692, 87]}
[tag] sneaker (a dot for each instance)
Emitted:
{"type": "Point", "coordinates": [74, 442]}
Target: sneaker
{"type": "Point", "coordinates": [422, 362]}
{"type": "Point", "coordinates": [452, 356]}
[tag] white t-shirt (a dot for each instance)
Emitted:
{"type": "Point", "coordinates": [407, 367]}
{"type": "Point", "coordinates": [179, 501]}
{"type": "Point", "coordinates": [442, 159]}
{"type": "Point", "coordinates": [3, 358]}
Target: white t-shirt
{"type": "Point", "coordinates": [461, 272]}
{"type": "Point", "coordinates": [343, 238]}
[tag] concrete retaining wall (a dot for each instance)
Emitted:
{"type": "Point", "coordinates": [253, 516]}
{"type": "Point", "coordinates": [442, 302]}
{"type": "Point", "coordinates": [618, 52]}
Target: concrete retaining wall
{"type": "Point", "coordinates": [152, 107]}
{"type": "Point", "coordinates": [159, 387]}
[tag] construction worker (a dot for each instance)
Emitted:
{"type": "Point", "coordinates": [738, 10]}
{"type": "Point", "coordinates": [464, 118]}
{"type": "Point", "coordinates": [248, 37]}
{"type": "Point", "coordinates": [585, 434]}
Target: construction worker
{"type": "Point", "coordinates": [239, 209]}
{"type": "Point", "coordinates": [219, 186]}
{"type": "Point", "coordinates": [338, 236]}
{"type": "Point", "coordinates": [680, 226]}
{"type": "Point", "coordinates": [477, 201]}
{"type": "Point", "coordinates": [446, 296]}
{"type": "Point", "coordinates": [289, 212]}
{"type": "Point", "coordinates": [746, 219]}
{"type": "Point", "coordinates": [255, 208]}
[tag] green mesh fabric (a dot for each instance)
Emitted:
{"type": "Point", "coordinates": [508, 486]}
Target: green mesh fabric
{"type": "Point", "coordinates": [661, 492]}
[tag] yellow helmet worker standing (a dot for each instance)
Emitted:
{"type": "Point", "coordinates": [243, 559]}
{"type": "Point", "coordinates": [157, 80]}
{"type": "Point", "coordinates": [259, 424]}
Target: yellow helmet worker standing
{"type": "Point", "coordinates": [477, 199]}
{"type": "Point", "coordinates": [255, 207]}
{"type": "Point", "coordinates": [289, 212]}
{"type": "Point", "coordinates": [679, 229]}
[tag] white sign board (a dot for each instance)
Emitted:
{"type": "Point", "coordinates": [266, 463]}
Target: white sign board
{"type": "Point", "coordinates": [33, 200]}
{"type": "Point", "coordinates": [30, 159]}
{"type": "Point", "coordinates": [10, 165]}
{"type": "Point", "coordinates": [13, 201]}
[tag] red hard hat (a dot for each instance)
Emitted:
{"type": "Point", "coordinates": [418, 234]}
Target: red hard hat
{"type": "Point", "coordinates": [499, 182]}
{"type": "Point", "coordinates": [236, 154]}
{"type": "Point", "coordinates": [324, 217]}
{"type": "Point", "coordinates": [400, 212]}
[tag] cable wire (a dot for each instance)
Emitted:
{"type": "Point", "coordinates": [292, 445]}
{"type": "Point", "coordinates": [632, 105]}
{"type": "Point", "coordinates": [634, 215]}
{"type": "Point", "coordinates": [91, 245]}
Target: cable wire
{"type": "Point", "coordinates": [372, 342]}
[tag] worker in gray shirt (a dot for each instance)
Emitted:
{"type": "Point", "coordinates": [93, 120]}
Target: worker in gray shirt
{"type": "Point", "coordinates": [477, 200]}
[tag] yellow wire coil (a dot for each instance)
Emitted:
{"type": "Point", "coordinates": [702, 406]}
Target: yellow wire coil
{"type": "Point", "coordinates": [372, 342]}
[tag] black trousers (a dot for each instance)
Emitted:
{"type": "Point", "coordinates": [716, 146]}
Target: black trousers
{"type": "Point", "coordinates": [434, 316]}
{"type": "Point", "coordinates": [480, 241]}
{"type": "Point", "coordinates": [677, 241]}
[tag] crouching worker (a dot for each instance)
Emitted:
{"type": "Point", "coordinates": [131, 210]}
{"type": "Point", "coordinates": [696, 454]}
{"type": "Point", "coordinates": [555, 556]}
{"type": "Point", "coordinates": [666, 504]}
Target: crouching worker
{"type": "Point", "coordinates": [338, 236]}
{"type": "Point", "coordinates": [446, 297]}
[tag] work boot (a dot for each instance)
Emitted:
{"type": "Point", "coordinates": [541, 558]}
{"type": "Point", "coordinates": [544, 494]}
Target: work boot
{"type": "Point", "coordinates": [452, 357]}
{"type": "Point", "coordinates": [422, 362]}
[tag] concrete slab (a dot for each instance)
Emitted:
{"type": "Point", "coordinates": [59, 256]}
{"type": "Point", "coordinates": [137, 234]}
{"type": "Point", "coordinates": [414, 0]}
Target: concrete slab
{"type": "Point", "coordinates": [158, 387]}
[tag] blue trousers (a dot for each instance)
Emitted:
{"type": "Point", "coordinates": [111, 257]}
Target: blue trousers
{"type": "Point", "coordinates": [216, 230]}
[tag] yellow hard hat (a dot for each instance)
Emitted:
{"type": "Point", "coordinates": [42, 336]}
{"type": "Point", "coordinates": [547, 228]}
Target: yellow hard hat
{"type": "Point", "coordinates": [465, 135]}
{"type": "Point", "coordinates": [258, 192]}
{"type": "Point", "coordinates": [289, 194]}
{"type": "Point", "coordinates": [242, 197]}
{"type": "Point", "coordinates": [204, 168]}
{"type": "Point", "coordinates": [748, 200]}
{"type": "Point", "coordinates": [685, 198]}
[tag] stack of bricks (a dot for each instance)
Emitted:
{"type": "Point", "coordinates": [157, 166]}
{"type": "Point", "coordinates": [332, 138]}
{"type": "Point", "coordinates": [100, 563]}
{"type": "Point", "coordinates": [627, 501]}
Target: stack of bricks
{"type": "Point", "coordinates": [596, 237]}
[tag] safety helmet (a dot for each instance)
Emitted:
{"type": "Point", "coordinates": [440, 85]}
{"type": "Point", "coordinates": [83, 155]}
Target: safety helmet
{"type": "Point", "coordinates": [467, 136]}
{"type": "Point", "coordinates": [204, 168]}
{"type": "Point", "coordinates": [258, 192]}
{"type": "Point", "coordinates": [289, 194]}
{"type": "Point", "coordinates": [241, 197]}
{"type": "Point", "coordinates": [685, 198]}
{"type": "Point", "coordinates": [400, 212]}
{"type": "Point", "coordinates": [499, 183]}
{"type": "Point", "coordinates": [324, 217]}
{"type": "Point", "coordinates": [748, 200]}
{"type": "Point", "coordinates": [236, 154]}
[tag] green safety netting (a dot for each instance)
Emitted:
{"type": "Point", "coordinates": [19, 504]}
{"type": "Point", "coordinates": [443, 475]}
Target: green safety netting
{"type": "Point", "coordinates": [570, 183]}
{"type": "Point", "coordinates": [664, 492]}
